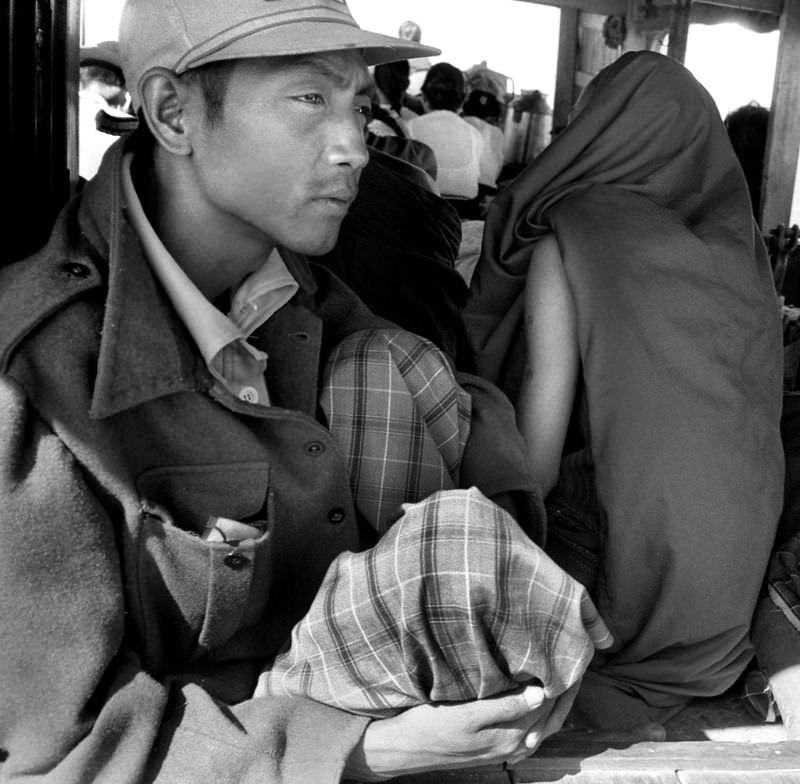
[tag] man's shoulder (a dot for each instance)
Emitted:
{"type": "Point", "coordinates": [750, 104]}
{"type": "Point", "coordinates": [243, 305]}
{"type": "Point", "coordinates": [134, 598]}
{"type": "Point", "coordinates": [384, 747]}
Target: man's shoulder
{"type": "Point", "coordinates": [36, 288]}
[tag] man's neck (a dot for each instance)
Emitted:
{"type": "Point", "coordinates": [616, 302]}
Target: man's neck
{"type": "Point", "coordinates": [215, 257]}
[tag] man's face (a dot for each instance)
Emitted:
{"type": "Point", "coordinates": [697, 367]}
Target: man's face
{"type": "Point", "coordinates": [283, 161]}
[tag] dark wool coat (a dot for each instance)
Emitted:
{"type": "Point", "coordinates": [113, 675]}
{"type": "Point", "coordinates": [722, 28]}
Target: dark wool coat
{"type": "Point", "coordinates": [129, 645]}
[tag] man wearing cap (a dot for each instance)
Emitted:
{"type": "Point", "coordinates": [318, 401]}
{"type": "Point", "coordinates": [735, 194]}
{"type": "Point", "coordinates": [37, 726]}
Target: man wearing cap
{"type": "Point", "coordinates": [194, 429]}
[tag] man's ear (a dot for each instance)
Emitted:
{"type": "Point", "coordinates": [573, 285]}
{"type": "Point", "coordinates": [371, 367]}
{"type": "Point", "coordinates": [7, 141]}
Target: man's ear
{"type": "Point", "coordinates": [165, 108]}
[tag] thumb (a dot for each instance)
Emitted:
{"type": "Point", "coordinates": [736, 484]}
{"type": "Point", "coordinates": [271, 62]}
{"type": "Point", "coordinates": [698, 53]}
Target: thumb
{"type": "Point", "coordinates": [533, 695]}
{"type": "Point", "coordinates": [512, 706]}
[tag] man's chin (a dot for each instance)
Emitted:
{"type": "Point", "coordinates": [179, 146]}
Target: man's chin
{"type": "Point", "coordinates": [316, 246]}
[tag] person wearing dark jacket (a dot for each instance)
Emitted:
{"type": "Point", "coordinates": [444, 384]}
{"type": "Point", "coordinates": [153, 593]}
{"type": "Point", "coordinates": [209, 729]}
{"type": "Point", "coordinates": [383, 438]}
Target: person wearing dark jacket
{"type": "Point", "coordinates": [192, 427]}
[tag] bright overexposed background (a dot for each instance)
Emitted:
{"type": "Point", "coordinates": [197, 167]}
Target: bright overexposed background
{"type": "Point", "coordinates": [517, 39]}
{"type": "Point", "coordinates": [520, 40]}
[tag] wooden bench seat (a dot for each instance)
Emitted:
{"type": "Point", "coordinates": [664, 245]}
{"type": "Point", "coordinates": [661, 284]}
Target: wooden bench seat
{"type": "Point", "coordinates": [711, 742]}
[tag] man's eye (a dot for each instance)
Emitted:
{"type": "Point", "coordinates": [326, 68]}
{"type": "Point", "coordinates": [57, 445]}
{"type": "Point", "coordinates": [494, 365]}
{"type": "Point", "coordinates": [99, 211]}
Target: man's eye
{"type": "Point", "coordinates": [313, 98]}
{"type": "Point", "coordinates": [365, 110]}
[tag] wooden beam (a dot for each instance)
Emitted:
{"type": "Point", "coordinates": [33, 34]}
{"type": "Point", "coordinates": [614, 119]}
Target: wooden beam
{"type": "Point", "coordinates": [783, 140]}
{"type": "Point", "coordinates": [607, 7]}
{"type": "Point", "coordinates": [761, 6]}
{"type": "Point", "coordinates": [679, 29]}
{"type": "Point", "coordinates": [564, 96]}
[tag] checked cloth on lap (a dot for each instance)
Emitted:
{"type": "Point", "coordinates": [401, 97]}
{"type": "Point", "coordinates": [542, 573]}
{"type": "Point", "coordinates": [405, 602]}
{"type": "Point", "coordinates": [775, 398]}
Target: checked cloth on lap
{"type": "Point", "coordinates": [454, 602]}
{"type": "Point", "coordinates": [392, 401]}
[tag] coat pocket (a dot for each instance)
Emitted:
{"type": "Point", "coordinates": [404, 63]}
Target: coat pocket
{"type": "Point", "coordinates": [190, 596]}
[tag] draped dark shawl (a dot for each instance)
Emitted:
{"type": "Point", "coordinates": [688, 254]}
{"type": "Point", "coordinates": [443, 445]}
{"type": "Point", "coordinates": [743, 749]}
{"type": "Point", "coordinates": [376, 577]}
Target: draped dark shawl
{"type": "Point", "coordinates": [680, 345]}
{"type": "Point", "coordinates": [397, 249]}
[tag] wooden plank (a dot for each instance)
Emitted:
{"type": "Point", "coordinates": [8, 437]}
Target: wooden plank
{"type": "Point", "coordinates": [761, 6]}
{"type": "Point", "coordinates": [607, 7]}
{"type": "Point", "coordinates": [605, 777]}
{"type": "Point", "coordinates": [688, 762]}
{"type": "Point", "coordinates": [565, 71]}
{"type": "Point", "coordinates": [558, 756]}
{"type": "Point", "coordinates": [784, 133]}
{"type": "Point", "coordinates": [72, 59]}
{"type": "Point", "coordinates": [494, 774]}
{"type": "Point", "coordinates": [740, 777]}
{"type": "Point", "coordinates": [679, 29]}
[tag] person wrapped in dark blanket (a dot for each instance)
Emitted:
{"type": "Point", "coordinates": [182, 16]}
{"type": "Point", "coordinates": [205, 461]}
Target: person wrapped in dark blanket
{"type": "Point", "coordinates": [397, 250]}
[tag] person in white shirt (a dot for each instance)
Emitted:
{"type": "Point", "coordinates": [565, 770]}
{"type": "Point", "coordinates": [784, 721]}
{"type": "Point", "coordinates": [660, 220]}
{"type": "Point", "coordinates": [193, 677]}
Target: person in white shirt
{"type": "Point", "coordinates": [457, 145]}
{"type": "Point", "coordinates": [482, 111]}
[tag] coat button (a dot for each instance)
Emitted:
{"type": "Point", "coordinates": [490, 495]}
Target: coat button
{"type": "Point", "coordinates": [75, 270]}
{"type": "Point", "coordinates": [235, 560]}
{"type": "Point", "coordinates": [315, 448]}
{"type": "Point", "coordinates": [336, 515]}
{"type": "Point", "coordinates": [248, 394]}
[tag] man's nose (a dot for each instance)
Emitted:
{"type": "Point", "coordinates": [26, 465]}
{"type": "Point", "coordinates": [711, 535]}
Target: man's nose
{"type": "Point", "coordinates": [347, 145]}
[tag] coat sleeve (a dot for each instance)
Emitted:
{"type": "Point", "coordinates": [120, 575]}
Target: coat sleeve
{"type": "Point", "coordinates": [77, 703]}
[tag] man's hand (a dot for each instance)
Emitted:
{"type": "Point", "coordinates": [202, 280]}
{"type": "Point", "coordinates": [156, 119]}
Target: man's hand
{"type": "Point", "coordinates": [507, 728]}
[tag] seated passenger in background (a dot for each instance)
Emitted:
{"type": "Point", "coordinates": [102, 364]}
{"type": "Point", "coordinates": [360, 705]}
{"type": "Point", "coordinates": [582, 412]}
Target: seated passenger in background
{"type": "Point", "coordinates": [397, 249]}
{"type": "Point", "coordinates": [387, 130]}
{"type": "Point", "coordinates": [391, 81]}
{"type": "Point", "coordinates": [419, 66]}
{"type": "Point", "coordinates": [457, 145]}
{"type": "Point", "coordinates": [747, 130]}
{"type": "Point", "coordinates": [623, 269]}
{"type": "Point", "coordinates": [483, 112]}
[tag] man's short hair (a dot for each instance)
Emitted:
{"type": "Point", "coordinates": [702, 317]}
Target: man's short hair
{"type": "Point", "coordinates": [444, 87]}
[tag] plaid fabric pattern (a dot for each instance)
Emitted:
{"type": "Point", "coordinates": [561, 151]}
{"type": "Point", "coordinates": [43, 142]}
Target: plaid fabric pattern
{"type": "Point", "coordinates": [453, 603]}
{"type": "Point", "coordinates": [391, 399]}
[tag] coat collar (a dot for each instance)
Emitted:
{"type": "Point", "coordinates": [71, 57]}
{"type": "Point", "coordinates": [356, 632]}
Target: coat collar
{"type": "Point", "coordinates": [145, 351]}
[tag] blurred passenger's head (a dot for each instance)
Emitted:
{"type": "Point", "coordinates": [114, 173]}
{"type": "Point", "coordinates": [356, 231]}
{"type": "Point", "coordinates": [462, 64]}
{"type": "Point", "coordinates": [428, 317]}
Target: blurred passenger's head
{"type": "Point", "coordinates": [444, 87]}
{"type": "Point", "coordinates": [392, 80]}
{"type": "Point", "coordinates": [483, 104]}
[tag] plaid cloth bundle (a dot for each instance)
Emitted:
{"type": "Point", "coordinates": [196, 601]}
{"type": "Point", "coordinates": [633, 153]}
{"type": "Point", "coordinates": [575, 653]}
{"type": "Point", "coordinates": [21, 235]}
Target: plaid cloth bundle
{"type": "Point", "coordinates": [391, 399]}
{"type": "Point", "coordinates": [454, 602]}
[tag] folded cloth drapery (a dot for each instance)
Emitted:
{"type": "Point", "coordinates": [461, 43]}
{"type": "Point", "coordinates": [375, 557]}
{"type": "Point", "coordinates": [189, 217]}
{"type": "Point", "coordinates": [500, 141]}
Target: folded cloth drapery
{"type": "Point", "coordinates": [680, 346]}
{"type": "Point", "coordinates": [454, 602]}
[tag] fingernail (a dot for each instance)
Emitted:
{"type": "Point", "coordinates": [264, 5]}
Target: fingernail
{"type": "Point", "coordinates": [534, 696]}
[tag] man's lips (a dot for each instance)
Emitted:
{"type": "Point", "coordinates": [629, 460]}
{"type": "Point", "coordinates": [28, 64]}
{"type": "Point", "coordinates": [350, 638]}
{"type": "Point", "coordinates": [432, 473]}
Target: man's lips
{"type": "Point", "coordinates": [336, 201]}
{"type": "Point", "coordinates": [344, 195]}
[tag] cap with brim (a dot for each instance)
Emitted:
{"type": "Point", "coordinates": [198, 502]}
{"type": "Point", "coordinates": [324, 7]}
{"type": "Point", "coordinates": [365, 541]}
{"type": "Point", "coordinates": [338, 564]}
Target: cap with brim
{"type": "Point", "coordinates": [184, 34]}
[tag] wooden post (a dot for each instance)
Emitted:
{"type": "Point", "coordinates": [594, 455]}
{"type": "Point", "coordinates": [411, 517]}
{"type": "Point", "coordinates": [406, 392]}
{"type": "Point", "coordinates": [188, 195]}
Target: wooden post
{"type": "Point", "coordinates": [679, 29]}
{"type": "Point", "coordinates": [565, 73]}
{"type": "Point", "coordinates": [783, 138]}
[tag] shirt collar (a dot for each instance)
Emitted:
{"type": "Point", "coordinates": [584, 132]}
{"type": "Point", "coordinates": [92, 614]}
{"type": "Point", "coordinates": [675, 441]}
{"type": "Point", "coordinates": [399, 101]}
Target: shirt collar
{"type": "Point", "coordinates": [257, 298]}
{"type": "Point", "coordinates": [137, 311]}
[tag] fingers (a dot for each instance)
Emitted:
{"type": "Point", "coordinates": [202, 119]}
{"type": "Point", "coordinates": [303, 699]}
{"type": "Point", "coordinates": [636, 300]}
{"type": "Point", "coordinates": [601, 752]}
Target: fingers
{"type": "Point", "coordinates": [533, 696]}
{"type": "Point", "coordinates": [553, 720]}
{"type": "Point", "coordinates": [508, 708]}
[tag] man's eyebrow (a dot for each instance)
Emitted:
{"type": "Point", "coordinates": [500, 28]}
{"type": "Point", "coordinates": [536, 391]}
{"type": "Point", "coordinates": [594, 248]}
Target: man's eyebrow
{"type": "Point", "coordinates": [323, 67]}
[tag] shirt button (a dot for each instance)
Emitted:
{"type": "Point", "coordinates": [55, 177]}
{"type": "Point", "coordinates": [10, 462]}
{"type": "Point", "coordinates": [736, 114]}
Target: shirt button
{"type": "Point", "coordinates": [315, 448]}
{"type": "Point", "coordinates": [336, 515]}
{"type": "Point", "coordinates": [248, 394]}
{"type": "Point", "coordinates": [235, 560]}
